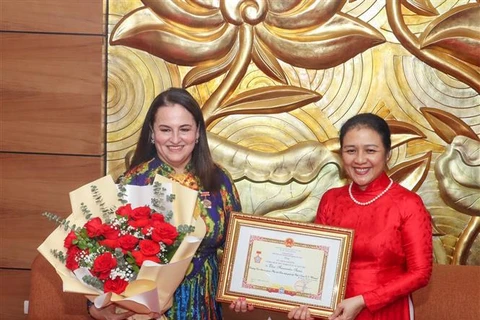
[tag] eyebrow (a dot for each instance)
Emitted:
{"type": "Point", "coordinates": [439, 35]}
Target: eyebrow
{"type": "Point", "coordinates": [367, 145]}
{"type": "Point", "coordinates": [182, 125]}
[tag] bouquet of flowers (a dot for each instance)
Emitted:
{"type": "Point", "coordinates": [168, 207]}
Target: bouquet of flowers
{"type": "Point", "coordinates": [128, 245]}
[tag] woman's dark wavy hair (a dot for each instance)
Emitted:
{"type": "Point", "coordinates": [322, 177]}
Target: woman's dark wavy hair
{"type": "Point", "coordinates": [202, 161]}
{"type": "Point", "coordinates": [371, 121]}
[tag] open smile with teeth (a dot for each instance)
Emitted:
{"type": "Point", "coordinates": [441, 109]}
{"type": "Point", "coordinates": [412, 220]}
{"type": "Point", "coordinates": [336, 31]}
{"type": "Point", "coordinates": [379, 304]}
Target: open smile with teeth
{"type": "Point", "coordinates": [175, 148]}
{"type": "Point", "coordinates": [361, 171]}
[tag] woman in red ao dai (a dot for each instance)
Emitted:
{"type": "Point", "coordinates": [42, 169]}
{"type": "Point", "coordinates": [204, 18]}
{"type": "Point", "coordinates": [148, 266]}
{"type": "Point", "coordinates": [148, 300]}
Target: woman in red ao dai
{"type": "Point", "coordinates": [392, 246]}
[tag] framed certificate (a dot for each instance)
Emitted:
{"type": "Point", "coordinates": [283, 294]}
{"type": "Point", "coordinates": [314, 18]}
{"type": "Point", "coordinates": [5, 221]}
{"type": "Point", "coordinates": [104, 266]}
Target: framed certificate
{"type": "Point", "coordinates": [279, 264]}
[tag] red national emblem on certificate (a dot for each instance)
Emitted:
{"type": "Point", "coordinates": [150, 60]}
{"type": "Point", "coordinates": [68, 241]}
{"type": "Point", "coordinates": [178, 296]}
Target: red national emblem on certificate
{"type": "Point", "coordinates": [289, 242]}
{"type": "Point", "coordinates": [257, 258]}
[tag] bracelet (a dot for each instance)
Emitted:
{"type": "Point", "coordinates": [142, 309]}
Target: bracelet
{"type": "Point", "coordinates": [89, 304]}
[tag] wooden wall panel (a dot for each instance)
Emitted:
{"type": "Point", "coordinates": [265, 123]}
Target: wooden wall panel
{"type": "Point", "coordinates": [51, 93]}
{"type": "Point", "coordinates": [51, 125]}
{"type": "Point", "coordinates": [29, 185]}
{"type": "Point", "coordinates": [72, 16]}
{"type": "Point", "coordinates": [15, 290]}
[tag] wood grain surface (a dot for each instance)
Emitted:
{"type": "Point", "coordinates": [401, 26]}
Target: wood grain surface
{"type": "Point", "coordinates": [51, 94]}
{"type": "Point", "coordinates": [30, 185]}
{"type": "Point", "coordinates": [58, 16]}
{"type": "Point", "coordinates": [15, 286]}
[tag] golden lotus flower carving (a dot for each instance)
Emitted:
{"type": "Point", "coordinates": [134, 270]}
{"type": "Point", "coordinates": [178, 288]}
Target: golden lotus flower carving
{"type": "Point", "coordinates": [311, 34]}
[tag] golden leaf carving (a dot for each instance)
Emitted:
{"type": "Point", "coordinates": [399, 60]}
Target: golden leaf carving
{"type": "Point", "coordinates": [322, 46]}
{"type": "Point", "coordinates": [210, 69]}
{"type": "Point", "coordinates": [456, 32]}
{"type": "Point", "coordinates": [291, 201]}
{"type": "Point", "coordinates": [421, 7]}
{"type": "Point", "coordinates": [267, 62]}
{"type": "Point", "coordinates": [268, 100]}
{"type": "Point", "coordinates": [411, 174]}
{"type": "Point", "coordinates": [333, 144]}
{"type": "Point", "coordinates": [301, 163]}
{"type": "Point", "coordinates": [286, 184]}
{"type": "Point", "coordinates": [466, 240]}
{"type": "Point", "coordinates": [142, 29]}
{"type": "Point", "coordinates": [438, 59]}
{"type": "Point", "coordinates": [403, 132]}
{"type": "Point", "coordinates": [436, 232]}
{"type": "Point", "coordinates": [446, 125]}
{"type": "Point", "coordinates": [458, 174]}
{"type": "Point", "coordinates": [304, 14]}
{"type": "Point", "coordinates": [196, 14]}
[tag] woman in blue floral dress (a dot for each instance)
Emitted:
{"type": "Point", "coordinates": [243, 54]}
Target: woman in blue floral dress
{"type": "Point", "coordinates": [173, 143]}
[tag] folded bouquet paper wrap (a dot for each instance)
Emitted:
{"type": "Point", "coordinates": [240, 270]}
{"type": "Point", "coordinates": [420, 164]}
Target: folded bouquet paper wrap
{"type": "Point", "coordinates": [152, 290]}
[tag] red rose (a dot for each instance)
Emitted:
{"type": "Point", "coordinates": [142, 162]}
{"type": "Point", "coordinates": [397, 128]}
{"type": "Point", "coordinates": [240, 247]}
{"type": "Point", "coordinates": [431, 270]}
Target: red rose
{"type": "Point", "coordinates": [116, 285]}
{"type": "Point", "coordinates": [149, 247]}
{"type": "Point", "coordinates": [152, 258]}
{"type": "Point", "coordinates": [103, 264]}
{"type": "Point", "coordinates": [127, 242]}
{"type": "Point", "coordinates": [110, 232]}
{"type": "Point", "coordinates": [94, 227]}
{"type": "Point", "coordinates": [164, 232]}
{"type": "Point", "coordinates": [140, 258]}
{"type": "Point", "coordinates": [157, 217]}
{"type": "Point", "coordinates": [125, 210]}
{"type": "Point", "coordinates": [67, 243]}
{"type": "Point", "coordinates": [109, 243]}
{"type": "Point", "coordinates": [72, 258]}
{"type": "Point", "coordinates": [139, 223]}
{"type": "Point", "coordinates": [141, 213]}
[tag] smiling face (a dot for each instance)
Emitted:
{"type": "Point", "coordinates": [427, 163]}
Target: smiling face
{"type": "Point", "coordinates": [364, 155]}
{"type": "Point", "coordinates": [175, 132]}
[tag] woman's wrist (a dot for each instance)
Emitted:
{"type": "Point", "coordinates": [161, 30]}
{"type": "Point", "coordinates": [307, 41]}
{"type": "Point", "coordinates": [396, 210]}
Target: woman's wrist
{"type": "Point", "coordinates": [90, 304]}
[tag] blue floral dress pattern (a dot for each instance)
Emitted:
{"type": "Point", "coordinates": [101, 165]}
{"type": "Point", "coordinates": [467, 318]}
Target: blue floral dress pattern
{"type": "Point", "coordinates": [195, 297]}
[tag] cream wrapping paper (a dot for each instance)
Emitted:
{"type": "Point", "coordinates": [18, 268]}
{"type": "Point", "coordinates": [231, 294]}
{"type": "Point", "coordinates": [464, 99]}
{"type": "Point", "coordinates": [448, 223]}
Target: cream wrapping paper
{"type": "Point", "coordinates": [155, 285]}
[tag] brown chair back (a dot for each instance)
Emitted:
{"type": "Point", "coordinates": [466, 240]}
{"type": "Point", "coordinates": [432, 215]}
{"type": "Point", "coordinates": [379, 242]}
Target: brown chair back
{"type": "Point", "coordinates": [47, 299]}
{"type": "Point", "coordinates": [452, 293]}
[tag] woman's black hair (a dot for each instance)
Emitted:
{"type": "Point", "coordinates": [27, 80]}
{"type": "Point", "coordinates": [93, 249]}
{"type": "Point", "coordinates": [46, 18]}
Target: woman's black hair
{"type": "Point", "coordinates": [202, 161]}
{"type": "Point", "coordinates": [371, 121]}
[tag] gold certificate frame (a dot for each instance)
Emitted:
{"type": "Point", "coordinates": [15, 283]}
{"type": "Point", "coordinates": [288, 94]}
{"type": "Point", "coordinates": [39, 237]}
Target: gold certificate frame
{"type": "Point", "coordinates": [279, 264]}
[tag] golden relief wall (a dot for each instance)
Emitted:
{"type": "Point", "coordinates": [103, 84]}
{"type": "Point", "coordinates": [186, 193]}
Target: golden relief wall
{"type": "Point", "coordinates": [276, 80]}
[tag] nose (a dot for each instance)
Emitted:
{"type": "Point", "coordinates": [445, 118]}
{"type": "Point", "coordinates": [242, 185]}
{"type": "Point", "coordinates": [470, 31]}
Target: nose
{"type": "Point", "coordinates": [175, 137]}
{"type": "Point", "coordinates": [360, 157]}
